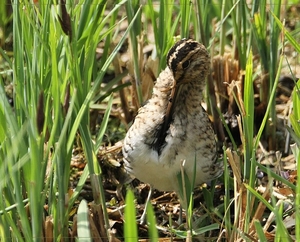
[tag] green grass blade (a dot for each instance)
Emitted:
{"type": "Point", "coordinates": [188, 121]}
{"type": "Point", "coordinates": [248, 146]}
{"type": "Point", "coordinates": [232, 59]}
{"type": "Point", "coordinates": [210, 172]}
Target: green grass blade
{"type": "Point", "coordinates": [84, 176]}
{"type": "Point", "coordinates": [259, 231]}
{"type": "Point", "coordinates": [259, 30]}
{"type": "Point", "coordinates": [260, 197]}
{"type": "Point", "coordinates": [248, 118]}
{"type": "Point", "coordinates": [291, 39]}
{"type": "Point", "coordinates": [207, 228]}
{"type": "Point", "coordinates": [275, 176]}
{"type": "Point", "coordinates": [153, 234]}
{"type": "Point", "coordinates": [92, 91]}
{"type": "Point", "coordinates": [83, 228]}
{"type": "Point", "coordinates": [185, 8]}
{"type": "Point", "coordinates": [262, 126]}
{"type": "Point", "coordinates": [130, 228]}
{"type": "Point", "coordinates": [104, 124]}
{"type": "Point", "coordinates": [295, 115]}
{"type": "Point", "coordinates": [282, 233]}
{"type": "Point", "coordinates": [297, 200]}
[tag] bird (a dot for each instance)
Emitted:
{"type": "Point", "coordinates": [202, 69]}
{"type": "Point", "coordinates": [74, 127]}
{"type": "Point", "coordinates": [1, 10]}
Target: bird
{"type": "Point", "coordinates": [172, 126]}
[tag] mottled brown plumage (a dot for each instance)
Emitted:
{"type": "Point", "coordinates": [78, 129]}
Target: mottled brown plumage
{"type": "Point", "coordinates": [172, 126]}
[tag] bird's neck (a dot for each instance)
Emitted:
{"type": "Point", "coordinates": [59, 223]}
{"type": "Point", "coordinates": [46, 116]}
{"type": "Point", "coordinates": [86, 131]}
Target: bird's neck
{"type": "Point", "coordinates": [187, 102]}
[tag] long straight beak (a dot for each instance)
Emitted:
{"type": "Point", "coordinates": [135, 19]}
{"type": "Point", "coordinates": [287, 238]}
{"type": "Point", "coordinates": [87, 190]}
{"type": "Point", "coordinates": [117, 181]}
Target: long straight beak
{"type": "Point", "coordinates": [168, 117]}
{"type": "Point", "coordinates": [171, 106]}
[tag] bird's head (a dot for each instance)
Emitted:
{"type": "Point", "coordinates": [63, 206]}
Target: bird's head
{"type": "Point", "coordinates": [189, 61]}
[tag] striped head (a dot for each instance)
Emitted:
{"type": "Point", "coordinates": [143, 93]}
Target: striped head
{"type": "Point", "coordinates": [189, 61]}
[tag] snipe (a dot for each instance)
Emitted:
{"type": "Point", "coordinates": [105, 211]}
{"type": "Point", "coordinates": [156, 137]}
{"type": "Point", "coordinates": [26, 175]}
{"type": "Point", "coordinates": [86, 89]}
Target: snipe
{"type": "Point", "coordinates": [172, 126]}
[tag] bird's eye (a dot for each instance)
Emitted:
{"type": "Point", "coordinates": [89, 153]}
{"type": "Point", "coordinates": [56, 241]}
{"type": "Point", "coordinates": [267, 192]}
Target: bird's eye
{"type": "Point", "coordinates": [185, 64]}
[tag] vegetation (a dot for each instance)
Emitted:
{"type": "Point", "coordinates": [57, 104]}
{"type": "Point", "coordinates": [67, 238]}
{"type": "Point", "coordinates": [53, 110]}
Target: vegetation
{"type": "Point", "coordinates": [56, 58]}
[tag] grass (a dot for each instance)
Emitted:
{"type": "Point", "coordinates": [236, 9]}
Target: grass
{"type": "Point", "coordinates": [57, 79]}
